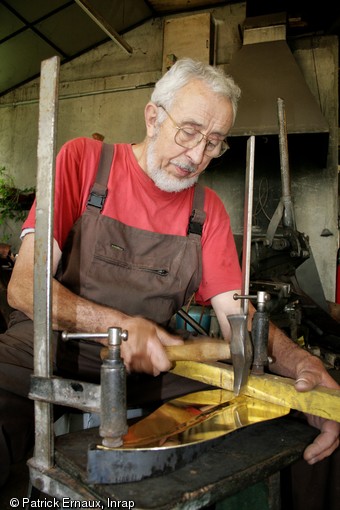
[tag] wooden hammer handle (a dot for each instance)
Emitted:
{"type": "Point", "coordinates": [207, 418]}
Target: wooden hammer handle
{"type": "Point", "coordinates": [205, 349]}
{"type": "Point", "coordinates": [199, 350]}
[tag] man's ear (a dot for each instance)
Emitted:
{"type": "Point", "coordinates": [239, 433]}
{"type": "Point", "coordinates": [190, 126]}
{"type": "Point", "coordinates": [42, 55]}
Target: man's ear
{"type": "Point", "coordinates": [150, 114]}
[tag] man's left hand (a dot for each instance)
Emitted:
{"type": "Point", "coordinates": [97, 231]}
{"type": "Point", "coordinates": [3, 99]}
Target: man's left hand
{"type": "Point", "coordinates": [328, 440]}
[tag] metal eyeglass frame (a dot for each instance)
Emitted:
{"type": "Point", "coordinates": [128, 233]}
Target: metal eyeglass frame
{"type": "Point", "coordinates": [224, 143]}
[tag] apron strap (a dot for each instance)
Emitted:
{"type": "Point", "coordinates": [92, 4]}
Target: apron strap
{"type": "Point", "coordinates": [99, 189]}
{"type": "Point", "coordinates": [198, 214]}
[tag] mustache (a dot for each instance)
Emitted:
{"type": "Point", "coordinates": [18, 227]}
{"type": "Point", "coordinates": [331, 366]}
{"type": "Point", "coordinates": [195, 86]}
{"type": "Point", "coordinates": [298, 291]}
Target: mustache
{"type": "Point", "coordinates": [184, 166]}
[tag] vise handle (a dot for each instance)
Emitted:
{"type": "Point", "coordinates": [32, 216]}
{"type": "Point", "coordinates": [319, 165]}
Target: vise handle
{"type": "Point", "coordinates": [114, 336]}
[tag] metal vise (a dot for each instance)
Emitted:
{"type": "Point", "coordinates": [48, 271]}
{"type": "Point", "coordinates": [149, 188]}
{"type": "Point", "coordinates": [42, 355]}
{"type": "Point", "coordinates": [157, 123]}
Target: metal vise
{"type": "Point", "coordinates": [113, 414]}
{"type": "Point", "coordinates": [249, 351]}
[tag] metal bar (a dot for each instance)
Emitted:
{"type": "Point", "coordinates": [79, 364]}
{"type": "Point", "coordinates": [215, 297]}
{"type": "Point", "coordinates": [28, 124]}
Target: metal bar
{"type": "Point", "coordinates": [248, 218]}
{"type": "Point", "coordinates": [288, 212]}
{"type": "Point", "coordinates": [104, 25]}
{"type": "Point", "coordinates": [66, 392]}
{"type": "Point", "coordinates": [240, 343]}
{"type": "Point", "coordinates": [78, 95]}
{"type": "Point", "coordinates": [191, 321]}
{"type": "Point", "coordinates": [43, 253]}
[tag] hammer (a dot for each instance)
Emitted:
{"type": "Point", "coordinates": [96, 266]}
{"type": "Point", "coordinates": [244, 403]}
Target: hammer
{"type": "Point", "coordinates": [204, 349]}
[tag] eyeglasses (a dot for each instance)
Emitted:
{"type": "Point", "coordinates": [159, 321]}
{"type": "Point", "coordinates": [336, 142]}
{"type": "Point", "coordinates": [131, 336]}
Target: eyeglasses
{"type": "Point", "coordinates": [189, 137]}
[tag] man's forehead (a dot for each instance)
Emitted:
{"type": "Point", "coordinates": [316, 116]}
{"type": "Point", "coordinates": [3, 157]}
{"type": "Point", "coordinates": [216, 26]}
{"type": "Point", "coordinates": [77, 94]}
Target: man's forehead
{"type": "Point", "coordinates": [197, 93]}
{"type": "Point", "coordinates": [193, 89]}
{"type": "Point", "coordinates": [202, 107]}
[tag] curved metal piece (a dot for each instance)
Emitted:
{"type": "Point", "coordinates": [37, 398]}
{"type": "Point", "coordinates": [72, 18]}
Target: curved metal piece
{"type": "Point", "coordinates": [175, 434]}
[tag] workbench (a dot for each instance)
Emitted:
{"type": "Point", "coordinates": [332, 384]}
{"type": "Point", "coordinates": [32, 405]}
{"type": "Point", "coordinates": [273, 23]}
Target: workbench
{"type": "Point", "coordinates": [237, 461]}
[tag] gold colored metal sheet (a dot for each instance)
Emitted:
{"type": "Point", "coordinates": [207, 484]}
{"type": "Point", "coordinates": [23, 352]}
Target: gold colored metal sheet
{"type": "Point", "coordinates": [321, 401]}
{"type": "Point", "coordinates": [199, 417]}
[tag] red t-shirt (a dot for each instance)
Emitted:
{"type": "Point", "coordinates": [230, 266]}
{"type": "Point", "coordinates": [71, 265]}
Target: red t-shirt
{"type": "Point", "coordinates": [134, 199]}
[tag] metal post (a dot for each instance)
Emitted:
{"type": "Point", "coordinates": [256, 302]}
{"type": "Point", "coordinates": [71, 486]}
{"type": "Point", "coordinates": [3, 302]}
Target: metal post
{"type": "Point", "coordinates": [247, 221]}
{"type": "Point", "coordinates": [48, 105]}
{"type": "Point", "coordinates": [240, 343]}
{"type": "Point", "coordinates": [288, 218]}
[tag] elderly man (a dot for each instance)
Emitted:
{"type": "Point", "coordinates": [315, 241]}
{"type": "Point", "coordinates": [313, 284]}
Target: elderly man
{"type": "Point", "coordinates": [132, 242]}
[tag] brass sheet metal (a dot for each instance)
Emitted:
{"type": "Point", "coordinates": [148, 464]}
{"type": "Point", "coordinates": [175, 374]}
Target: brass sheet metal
{"type": "Point", "coordinates": [176, 434]}
{"type": "Point", "coordinates": [321, 401]}
{"type": "Point", "coordinates": [199, 417]}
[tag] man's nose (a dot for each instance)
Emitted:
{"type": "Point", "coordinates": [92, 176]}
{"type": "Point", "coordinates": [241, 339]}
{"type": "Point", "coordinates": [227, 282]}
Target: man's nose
{"type": "Point", "coordinates": [196, 154]}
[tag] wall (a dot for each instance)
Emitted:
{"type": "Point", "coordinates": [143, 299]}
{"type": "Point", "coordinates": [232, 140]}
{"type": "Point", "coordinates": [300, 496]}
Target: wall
{"type": "Point", "coordinates": [105, 91]}
{"type": "Point", "coordinates": [316, 192]}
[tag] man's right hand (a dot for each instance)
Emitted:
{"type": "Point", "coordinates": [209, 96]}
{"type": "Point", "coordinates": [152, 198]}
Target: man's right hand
{"type": "Point", "coordinates": [143, 351]}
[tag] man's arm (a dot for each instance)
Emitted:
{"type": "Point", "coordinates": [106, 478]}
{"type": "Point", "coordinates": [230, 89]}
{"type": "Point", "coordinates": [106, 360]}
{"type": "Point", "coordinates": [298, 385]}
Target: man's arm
{"type": "Point", "coordinates": [292, 361]}
{"type": "Point", "coordinates": [143, 352]}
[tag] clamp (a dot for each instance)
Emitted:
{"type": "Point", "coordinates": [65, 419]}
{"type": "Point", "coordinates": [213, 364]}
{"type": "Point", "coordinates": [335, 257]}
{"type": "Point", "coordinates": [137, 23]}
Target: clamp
{"type": "Point", "coordinates": [113, 413]}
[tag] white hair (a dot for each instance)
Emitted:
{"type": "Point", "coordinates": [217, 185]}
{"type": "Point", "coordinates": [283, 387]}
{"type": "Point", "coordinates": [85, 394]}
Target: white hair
{"type": "Point", "coordinates": [187, 69]}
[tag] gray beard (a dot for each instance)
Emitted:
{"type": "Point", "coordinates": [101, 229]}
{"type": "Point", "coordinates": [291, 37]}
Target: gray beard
{"type": "Point", "coordinates": [161, 178]}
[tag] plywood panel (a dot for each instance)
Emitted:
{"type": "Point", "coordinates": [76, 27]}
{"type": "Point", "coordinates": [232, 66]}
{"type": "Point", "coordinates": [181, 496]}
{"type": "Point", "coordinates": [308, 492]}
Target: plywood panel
{"type": "Point", "coordinates": [188, 36]}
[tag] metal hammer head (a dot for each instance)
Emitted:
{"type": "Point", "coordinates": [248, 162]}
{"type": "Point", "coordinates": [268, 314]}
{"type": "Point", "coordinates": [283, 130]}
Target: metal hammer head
{"type": "Point", "coordinates": [241, 350]}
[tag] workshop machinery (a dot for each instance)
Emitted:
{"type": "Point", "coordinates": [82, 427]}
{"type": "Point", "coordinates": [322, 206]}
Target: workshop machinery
{"type": "Point", "coordinates": [283, 266]}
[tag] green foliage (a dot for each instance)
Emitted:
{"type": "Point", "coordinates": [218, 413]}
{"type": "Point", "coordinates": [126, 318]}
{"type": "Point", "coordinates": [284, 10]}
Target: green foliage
{"type": "Point", "coordinates": [14, 202]}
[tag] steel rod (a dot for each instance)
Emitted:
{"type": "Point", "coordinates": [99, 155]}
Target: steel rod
{"type": "Point", "coordinates": [288, 219]}
{"type": "Point", "coordinates": [248, 218]}
{"type": "Point", "coordinates": [191, 321]}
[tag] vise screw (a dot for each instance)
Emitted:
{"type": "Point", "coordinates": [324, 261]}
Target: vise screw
{"type": "Point", "coordinates": [259, 332]}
